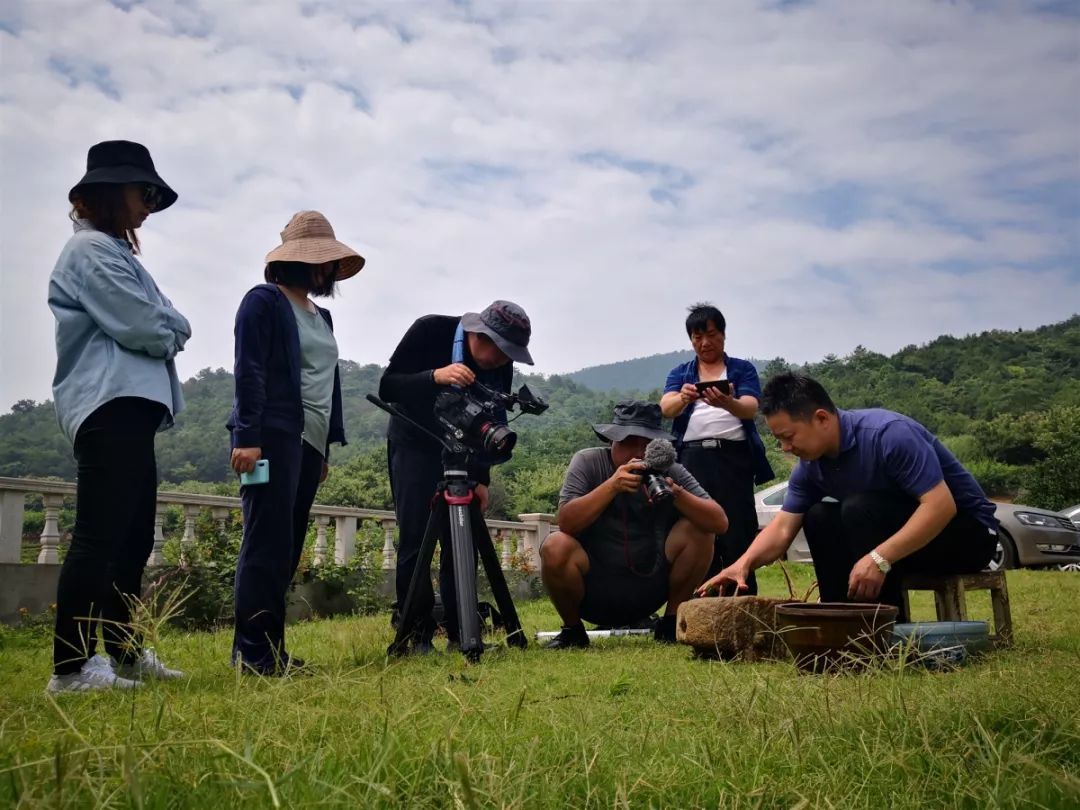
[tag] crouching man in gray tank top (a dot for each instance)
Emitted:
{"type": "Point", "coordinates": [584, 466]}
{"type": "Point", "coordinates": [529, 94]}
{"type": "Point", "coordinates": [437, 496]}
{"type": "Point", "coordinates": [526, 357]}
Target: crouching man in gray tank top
{"type": "Point", "coordinates": [618, 554]}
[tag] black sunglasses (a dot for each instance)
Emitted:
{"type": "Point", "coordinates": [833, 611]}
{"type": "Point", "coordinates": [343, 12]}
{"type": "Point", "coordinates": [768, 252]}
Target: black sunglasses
{"type": "Point", "coordinates": [151, 195]}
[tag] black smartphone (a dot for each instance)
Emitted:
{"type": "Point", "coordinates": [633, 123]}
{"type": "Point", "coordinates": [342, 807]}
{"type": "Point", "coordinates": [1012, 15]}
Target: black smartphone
{"type": "Point", "coordinates": [723, 385]}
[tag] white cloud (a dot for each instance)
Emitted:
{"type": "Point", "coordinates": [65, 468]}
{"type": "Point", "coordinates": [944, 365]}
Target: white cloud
{"type": "Point", "coordinates": [821, 171]}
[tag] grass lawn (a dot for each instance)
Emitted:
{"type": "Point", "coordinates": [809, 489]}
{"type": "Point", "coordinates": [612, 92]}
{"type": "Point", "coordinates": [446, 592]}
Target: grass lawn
{"type": "Point", "coordinates": [627, 723]}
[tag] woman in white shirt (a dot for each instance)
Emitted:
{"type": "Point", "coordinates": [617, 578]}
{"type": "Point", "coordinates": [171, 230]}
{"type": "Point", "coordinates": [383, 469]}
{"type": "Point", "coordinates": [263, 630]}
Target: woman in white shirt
{"type": "Point", "coordinates": [714, 424]}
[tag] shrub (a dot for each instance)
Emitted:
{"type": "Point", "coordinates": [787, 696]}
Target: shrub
{"type": "Point", "coordinates": [965, 447]}
{"type": "Point", "coordinates": [1054, 482]}
{"type": "Point", "coordinates": [996, 478]}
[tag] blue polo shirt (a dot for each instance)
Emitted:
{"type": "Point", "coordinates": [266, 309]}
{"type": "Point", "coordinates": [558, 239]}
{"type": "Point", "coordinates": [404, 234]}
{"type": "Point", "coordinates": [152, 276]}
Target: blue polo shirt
{"type": "Point", "coordinates": [883, 451]}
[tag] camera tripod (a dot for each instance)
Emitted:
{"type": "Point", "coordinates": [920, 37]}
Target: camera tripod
{"type": "Point", "coordinates": [455, 515]}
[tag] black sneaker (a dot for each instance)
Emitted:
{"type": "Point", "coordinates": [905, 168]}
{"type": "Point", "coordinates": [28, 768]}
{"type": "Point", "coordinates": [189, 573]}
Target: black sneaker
{"type": "Point", "coordinates": [569, 638]}
{"type": "Point", "coordinates": [664, 630]}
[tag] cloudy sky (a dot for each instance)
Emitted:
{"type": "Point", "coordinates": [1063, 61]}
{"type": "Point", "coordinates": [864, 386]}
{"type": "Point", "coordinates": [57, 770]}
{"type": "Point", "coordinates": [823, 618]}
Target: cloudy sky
{"type": "Point", "coordinates": [829, 173]}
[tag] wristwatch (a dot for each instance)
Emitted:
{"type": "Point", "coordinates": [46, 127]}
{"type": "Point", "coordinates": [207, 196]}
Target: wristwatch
{"type": "Point", "coordinates": [884, 566]}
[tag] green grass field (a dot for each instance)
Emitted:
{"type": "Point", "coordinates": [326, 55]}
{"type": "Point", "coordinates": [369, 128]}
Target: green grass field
{"type": "Point", "coordinates": [627, 723]}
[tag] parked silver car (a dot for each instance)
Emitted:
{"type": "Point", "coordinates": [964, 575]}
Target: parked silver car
{"type": "Point", "coordinates": [768, 502]}
{"type": "Point", "coordinates": [1072, 513]}
{"type": "Point", "coordinates": [1030, 537]}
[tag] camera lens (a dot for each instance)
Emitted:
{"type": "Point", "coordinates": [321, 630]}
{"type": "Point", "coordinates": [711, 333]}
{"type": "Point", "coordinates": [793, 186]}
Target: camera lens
{"type": "Point", "coordinates": [657, 489]}
{"type": "Point", "coordinates": [497, 439]}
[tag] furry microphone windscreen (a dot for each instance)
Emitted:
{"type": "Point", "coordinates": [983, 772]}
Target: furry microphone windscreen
{"type": "Point", "coordinates": [659, 455]}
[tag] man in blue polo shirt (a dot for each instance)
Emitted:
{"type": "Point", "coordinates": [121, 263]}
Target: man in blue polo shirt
{"type": "Point", "coordinates": [902, 502]}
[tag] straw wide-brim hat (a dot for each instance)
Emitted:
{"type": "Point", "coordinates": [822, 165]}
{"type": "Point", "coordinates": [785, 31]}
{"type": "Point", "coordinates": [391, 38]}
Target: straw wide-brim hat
{"type": "Point", "coordinates": [309, 238]}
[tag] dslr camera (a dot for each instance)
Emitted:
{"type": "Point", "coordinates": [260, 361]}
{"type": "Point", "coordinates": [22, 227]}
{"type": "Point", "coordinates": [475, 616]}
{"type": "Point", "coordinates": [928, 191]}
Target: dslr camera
{"type": "Point", "coordinates": [659, 456]}
{"type": "Point", "coordinates": [469, 417]}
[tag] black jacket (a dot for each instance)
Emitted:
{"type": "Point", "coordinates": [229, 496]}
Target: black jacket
{"type": "Point", "coordinates": [267, 371]}
{"type": "Point", "coordinates": [409, 382]}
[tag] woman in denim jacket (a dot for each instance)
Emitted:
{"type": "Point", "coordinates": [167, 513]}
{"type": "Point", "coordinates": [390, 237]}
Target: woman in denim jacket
{"type": "Point", "coordinates": [115, 386]}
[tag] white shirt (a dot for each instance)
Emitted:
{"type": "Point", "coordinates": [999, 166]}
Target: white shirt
{"type": "Point", "coordinates": [707, 422]}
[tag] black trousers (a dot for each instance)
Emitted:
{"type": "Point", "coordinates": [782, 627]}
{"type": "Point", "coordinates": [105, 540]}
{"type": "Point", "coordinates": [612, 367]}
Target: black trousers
{"type": "Point", "coordinates": [727, 474]}
{"type": "Point", "coordinates": [275, 524]}
{"type": "Point", "coordinates": [840, 534]}
{"type": "Point", "coordinates": [114, 533]}
{"type": "Point", "coordinates": [414, 475]}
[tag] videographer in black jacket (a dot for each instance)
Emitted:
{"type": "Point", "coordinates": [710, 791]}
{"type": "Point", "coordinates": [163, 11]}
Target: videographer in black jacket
{"type": "Point", "coordinates": [439, 351]}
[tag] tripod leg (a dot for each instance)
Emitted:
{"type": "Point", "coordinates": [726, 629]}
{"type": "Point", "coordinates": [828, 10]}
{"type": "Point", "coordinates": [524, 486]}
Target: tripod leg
{"type": "Point", "coordinates": [465, 580]}
{"type": "Point", "coordinates": [413, 610]}
{"type": "Point", "coordinates": [515, 636]}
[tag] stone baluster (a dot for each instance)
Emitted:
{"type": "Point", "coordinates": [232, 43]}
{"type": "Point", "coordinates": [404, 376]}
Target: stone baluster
{"type": "Point", "coordinates": [506, 538]}
{"type": "Point", "coordinates": [344, 539]}
{"type": "Point", "coordinates": [157, 556]}
{"type": "Point", "coordinates": [221, 515]}
{"type": "Point", "coordinates": [389, 555]}
{"type": "Point", "coordinates": [538, 525]}
{"type": "Point", "coordinates": [191, 514]}
{"type": "Point", "coordinates": [12, 507]}
{"type": "Point", "coordinates": [50, 534]}
{"type": "Point", "coordinates": [521, 543]}
{"type": "Point", "coordinates": [321, 522]}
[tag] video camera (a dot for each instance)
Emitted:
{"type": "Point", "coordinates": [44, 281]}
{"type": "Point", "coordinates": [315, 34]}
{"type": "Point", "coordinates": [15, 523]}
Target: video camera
{"type": "Point", "coordinates": [469, 414]}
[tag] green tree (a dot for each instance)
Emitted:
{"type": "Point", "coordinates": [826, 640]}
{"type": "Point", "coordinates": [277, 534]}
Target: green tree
{"type": "Point", "coordinates": [1054, 482]}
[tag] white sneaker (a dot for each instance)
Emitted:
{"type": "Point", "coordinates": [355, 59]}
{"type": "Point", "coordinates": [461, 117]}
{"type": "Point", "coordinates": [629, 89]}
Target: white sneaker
{"type": "Point", "coordinates": [91, 677]}
{"type": "Point", "coordinates": [149, 667]}
{"type": "Point", "coordinates": [101, 662]}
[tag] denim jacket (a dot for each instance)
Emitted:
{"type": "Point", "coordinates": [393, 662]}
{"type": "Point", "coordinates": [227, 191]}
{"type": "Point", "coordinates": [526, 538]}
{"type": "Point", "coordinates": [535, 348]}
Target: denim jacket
{"type": "Point", "coordinates": [116, 334]}
{"type": "Point", "coordinates": [267, 371]}
{"type": "Point", "coordinates": [744, 382]}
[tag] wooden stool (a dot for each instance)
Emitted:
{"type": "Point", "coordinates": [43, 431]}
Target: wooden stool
{"type": "Point", "coordinates": [950, 598]}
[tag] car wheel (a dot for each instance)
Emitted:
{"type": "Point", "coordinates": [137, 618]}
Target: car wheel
{"type": "Point", "coordinates": [1069, 567]}
{"type": "Point", "coordinates": [1004, 555]}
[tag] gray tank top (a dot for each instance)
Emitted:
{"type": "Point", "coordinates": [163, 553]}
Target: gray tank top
{"type": "Point", "coordinates": [318, 362]}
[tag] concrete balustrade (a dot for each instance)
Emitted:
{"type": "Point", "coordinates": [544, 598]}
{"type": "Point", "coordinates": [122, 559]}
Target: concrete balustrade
{"type": "Point", "coordinates": [514, 540]}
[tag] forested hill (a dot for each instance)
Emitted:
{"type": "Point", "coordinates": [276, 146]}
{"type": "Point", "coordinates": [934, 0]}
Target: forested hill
{"type": "Point", "coordinates": [197, 447]}
{"type": "Point", "coordinates": [952, 383]}
{"type": "Point", "coordinates": [629, 374]}
{"type": "Point", "coordinates": [991, 395]}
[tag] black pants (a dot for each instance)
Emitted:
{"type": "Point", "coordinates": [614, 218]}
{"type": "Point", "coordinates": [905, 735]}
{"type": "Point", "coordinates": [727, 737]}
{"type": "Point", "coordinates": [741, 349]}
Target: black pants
{"type": "Point", "coordinates": [275, 524]}
{"type": "Point", "coordinates": [114, 533]}
{"type": "Point", "coordinates": [727, 474]}
{"type": "Point", "coordinates": [414, 475]}
{"type": "Point", "coordinates": [616, 597]}
{"type": "Point", "coordinates": [840, 534]}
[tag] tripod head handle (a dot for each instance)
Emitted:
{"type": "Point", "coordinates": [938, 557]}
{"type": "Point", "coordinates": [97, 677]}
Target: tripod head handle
{"type": "Point", "coordinates": [451, 446]}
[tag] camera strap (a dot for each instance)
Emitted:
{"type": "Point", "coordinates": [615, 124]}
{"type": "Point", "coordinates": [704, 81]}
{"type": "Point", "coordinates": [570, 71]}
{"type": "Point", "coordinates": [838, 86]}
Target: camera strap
{"type": "Point", "coordinates": [457, 354]}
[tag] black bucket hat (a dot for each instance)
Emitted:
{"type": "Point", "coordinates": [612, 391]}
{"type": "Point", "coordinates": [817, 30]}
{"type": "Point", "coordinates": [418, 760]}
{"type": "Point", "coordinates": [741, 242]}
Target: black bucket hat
{"type": "Point", "coordinates": [507, 324]}
{"type": "Point", "coordinates": [634, 419]}
{"type": "Point", "coordinates": [118, 162]}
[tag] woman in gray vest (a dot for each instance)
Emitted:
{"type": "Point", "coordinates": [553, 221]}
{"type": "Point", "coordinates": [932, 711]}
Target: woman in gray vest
{"type": "Point", "coordinates": [115, 387]}
{"type": "Point", "coordinates": [286, 413]}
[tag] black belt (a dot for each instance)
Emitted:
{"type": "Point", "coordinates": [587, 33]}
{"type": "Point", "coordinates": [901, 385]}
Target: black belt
{"type": "Point", "coordinates": [715, 444]}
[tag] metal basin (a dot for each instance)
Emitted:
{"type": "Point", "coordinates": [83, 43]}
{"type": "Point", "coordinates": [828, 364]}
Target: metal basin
{"type": "Point", "coordinates": [830, 636]}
